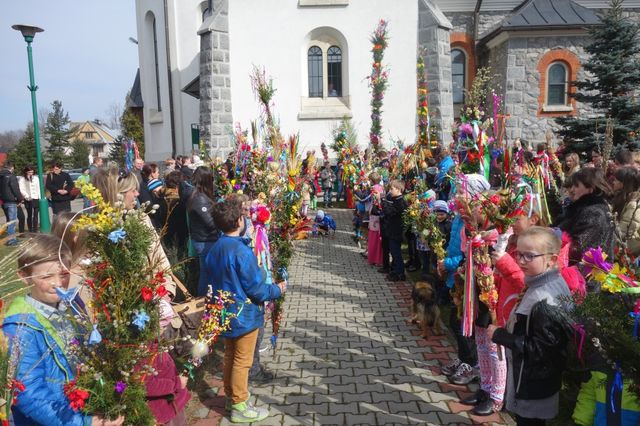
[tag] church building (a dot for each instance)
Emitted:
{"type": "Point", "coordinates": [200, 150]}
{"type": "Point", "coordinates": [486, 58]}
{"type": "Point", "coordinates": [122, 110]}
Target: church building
{"type": "Point", "coordinates": [196, 58]}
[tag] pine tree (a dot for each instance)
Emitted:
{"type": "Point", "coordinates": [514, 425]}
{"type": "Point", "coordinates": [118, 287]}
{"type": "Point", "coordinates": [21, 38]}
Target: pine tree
{"type": "Point", "coordinates": [79, 157]}
{"type": "Point", "coordinates": [132, 129]}
{"type": "Point", "coordinates": [116, 152]}
{"type": "Point", "coordinates": [58, 133]}
{"type": "Point", "coordinates": [613, 76]}
{"type": "Point", "coordinates": [24, 153]}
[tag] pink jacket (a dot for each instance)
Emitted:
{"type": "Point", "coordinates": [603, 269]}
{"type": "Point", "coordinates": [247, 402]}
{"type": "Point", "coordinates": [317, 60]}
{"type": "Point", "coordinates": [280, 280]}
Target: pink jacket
{"type": "Point", "coordinates": [165, 395]}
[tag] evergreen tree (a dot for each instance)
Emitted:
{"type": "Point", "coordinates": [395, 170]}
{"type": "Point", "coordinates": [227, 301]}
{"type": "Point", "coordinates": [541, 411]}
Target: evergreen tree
{"type": "Point", "coordinates": [116, 152]}
{"type": "Point", "coordinates": [24, 153]}
{"type": "Point", "coordinates": [58, 133]}
{"type": "Point", "coordinates": [132, 129]}
{"type": "Point", "coordinates": [613, 76]}
{"type": "Point", "coordinates": [79, 157]}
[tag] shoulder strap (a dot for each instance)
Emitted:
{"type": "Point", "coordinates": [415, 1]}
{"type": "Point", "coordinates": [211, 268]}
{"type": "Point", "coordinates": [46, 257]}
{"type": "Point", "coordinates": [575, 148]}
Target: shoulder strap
{"type": "Point", "coordinates": [187, 295]}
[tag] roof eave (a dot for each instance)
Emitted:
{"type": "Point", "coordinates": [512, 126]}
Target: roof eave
{"type": "Point", "coordinates": [493, 34]}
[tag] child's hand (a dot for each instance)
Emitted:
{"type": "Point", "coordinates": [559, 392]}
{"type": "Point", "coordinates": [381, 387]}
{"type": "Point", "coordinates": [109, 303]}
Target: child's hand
{"type": "Point", "coordinates": [283, 286]}
{"type": "Point", "coordinates": [101, 421]}
{"type": "Point", "coordinates": [183, 381]}
{"type": "Point", "coordinates": [492, 329]}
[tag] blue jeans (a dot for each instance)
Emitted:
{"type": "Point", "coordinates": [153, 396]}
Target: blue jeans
{"type": "Point", "coordinates": [340, 191]}
{"type": "Point", "coordinates": [11, 213]}
{"type": "Point", "coordinates": [327, 197]}
{"type": "Point", "coordinates": [397, 264]}
{"type": "Point", "coordinates": [202, 249]}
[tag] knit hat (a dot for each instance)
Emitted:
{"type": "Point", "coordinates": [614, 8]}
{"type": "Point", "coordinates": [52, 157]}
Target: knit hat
{"type": "Point", "coordinates": [154, 184]}
{"type": "Point", "coordinates": [440, 206]}
{"type": "Point", "coordinates": [320, 216]}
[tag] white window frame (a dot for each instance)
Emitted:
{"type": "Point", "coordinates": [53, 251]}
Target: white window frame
{"type": "Point", "coordinates": [465, 72]}
{"type": "Point", "coordinates": [566, 106]}
{"type": "Point", "coordinates": [325, 107]}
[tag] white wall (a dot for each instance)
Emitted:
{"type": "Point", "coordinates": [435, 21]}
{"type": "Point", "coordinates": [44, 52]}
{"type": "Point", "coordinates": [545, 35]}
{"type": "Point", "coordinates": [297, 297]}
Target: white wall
{"type": "Point", "coordinates": [184, 18]}
{"type": "Point", "coordinates": [271, 33]}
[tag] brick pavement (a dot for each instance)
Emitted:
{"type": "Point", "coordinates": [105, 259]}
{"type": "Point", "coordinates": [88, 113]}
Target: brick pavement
{"type": "Point", "coordinates": [346, 355]}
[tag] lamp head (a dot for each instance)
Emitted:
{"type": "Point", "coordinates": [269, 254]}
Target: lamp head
{"type": "Point", "coordinates": [28, 31]}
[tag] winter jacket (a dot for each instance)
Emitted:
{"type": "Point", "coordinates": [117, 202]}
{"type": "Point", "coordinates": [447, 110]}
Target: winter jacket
{"type": "Point", "coordinates": [454, 250]}
{"type": "Point", "coordinates": [327, 177]}
{"type": "Point", "coordinates": [441, 178]}
{"type": "Point", "coordinates": [327, 222]}
{"type": "Point", "coordinates": [30, 189]}
{"type": "Point", "coordinates": [231, 266]}
{"type": "Point", "coordinates": [201, 225]}
{"type": "Point", "coordinates": [59, 181]}
{"type": "Point", "coordinates": [538, 340]}
{"type": "Point", "coordinates": [165, 395]}
{"type": "Point", "coordinates": [392, 210]}
{"type": "Point", "coordinates": [589, 223]}
{"type": "Point", "coordinates": [9, 188]}
{"type": "Point", "coordinates": [42, 367]}
{"type": "Point", "coordinates": [629, 223]}
{"type": "Point", "coordinates": [594, 403]}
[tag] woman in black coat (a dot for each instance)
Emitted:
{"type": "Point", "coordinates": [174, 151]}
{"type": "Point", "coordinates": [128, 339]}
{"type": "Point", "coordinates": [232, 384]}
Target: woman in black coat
{"type": "Point", "coordinates": [588, 219]}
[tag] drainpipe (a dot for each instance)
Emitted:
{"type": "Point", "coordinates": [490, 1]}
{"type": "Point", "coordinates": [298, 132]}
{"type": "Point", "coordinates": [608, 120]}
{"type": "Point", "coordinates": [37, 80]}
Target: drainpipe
{"type": "Point", "coordinates": [169, 79]}
{"type": "Point", "coordinates": [476, 19]}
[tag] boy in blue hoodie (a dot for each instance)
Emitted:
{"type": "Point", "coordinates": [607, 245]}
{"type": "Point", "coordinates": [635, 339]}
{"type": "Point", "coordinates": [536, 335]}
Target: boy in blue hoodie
{"type": "Point", "coordinates": [38, 327]}
{"type": "Point", "coordinates": [231, 266]}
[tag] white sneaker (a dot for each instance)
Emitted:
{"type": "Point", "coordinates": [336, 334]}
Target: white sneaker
{"type": "Point", "coordinates": [245, 412]}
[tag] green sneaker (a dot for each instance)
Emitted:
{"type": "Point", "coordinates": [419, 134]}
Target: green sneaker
{"type": "Point", "coordinates": [228, 402]}
{"type": "Point", "coordinates": [245, 412]}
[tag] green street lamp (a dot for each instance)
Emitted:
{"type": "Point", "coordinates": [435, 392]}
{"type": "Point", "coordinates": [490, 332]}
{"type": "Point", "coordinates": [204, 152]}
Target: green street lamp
{"type": "Point", "coordinates": [29, 32]}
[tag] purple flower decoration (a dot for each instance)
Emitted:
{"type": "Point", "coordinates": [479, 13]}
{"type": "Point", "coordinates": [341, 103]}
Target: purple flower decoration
{"type": "Point", "coordinates": [120, 386]}
{"type": "Point", "coordinates": [595, 258]}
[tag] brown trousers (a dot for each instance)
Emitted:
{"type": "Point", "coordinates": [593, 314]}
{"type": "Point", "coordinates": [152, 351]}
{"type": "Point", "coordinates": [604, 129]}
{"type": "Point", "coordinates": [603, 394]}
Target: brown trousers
{"type": "Point", "coordinates": [238, 357]}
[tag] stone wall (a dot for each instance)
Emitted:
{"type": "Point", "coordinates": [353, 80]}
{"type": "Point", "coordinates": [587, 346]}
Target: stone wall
{"type": "Point", "coordinates": [462, 22]}
{"type": "Point", "coordinates": [522, 81]}
{"type": "Point", "coordinates": [488, 21]}
{"type": "Point", "coordinates": [433, 39]}
{"type": "Point", "coordinates": [215, 82]}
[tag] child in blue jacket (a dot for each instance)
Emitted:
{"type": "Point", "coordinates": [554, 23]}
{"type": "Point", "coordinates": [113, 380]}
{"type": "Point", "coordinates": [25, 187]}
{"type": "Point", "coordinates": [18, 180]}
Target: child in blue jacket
{"type": "Point", "coordinates": [37, 326]}
{"type": "Point", "coordinates": [231, 266]}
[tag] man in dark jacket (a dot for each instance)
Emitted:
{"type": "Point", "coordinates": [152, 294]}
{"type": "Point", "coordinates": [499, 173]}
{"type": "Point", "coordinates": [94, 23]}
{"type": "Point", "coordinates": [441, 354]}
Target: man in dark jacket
{"type": "Point", "coordinates": [59, 184]}
{"type": "Point", "coordinates": [11, 198]}
{"type": "Point", "coordinates": [393, 206]}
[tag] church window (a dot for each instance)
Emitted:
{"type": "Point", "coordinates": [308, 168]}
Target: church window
{"type": "Point", "coordinates": [334, 71]}
{"type": "Point", "coordinates": [156, 65]}
{"type": "Point", "coordinates": [315, 66]}
{"type": "Point", "coordinates": [557, 84]}
{"type": "Point", "coordinates": [458, 74]}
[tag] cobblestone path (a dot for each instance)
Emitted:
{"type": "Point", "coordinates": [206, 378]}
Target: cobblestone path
{"type": "Point", "coordinates": [346, 354]}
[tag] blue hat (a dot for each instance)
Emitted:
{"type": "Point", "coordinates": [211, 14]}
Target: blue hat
{"type": "Point", "coordinates": [320, 215]}
{"type": "Point", "coordinates": [154, 184]}
{"type": "Point", "coordinates": [440, 206]}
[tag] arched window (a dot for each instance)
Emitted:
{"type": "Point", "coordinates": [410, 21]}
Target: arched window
{"type": "Point", "coordinates": [314, 60]}
{"type": "Point", "coordinates": [557, 84]}
{"type": "Point", "coordinates": [334, 71]}
{"type": "Point", "coordinates": [458, 75]}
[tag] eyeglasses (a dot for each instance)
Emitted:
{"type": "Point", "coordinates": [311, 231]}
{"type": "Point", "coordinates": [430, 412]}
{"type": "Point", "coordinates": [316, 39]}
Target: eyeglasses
{"type": "Point", "coordinates": [527, 257]}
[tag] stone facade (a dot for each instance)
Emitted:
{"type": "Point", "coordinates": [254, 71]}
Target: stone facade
{"type": "Point", "coordinates": [215, 82]}
{"type": "Point", "coordinates": [433, 39]}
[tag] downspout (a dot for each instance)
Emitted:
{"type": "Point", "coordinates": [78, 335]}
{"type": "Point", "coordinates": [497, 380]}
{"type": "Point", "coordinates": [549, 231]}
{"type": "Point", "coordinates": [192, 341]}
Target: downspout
{"type": "Point", "coordinates": [169, 79]}
{"type": "Point", "coordinates": [476, 19]}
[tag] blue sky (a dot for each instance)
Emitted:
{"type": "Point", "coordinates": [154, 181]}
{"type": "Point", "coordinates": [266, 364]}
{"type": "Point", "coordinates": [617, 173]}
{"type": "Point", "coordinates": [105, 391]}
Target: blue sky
{"type": "Point", "coordinates": [83, 58]}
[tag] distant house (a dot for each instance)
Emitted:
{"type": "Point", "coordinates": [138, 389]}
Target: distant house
{"type": "Point", "coordinates": [96, 134]}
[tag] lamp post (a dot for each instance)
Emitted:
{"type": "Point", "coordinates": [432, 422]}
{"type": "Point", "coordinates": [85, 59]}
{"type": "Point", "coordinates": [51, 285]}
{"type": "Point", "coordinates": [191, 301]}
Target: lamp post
{"type": "Point", "coordinates": [29, 32]}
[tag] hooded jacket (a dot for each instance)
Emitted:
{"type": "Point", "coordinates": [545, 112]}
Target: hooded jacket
{"type": "Point", "coordinates": [231, 266]}
{"type": "Point", "coordinates": [43, 368]}
{"type": "Point", "coordinates": [9, 188]}
{"type": "Point", "coordinates": [202, 228]}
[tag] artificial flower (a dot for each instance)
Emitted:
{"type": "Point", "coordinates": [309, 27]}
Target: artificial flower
{"type": "Point", "coordinates": [161, 291]}
{"type": "Point", "coordinates": [147, 294]}
{"type": "Point", "coordinates": [140, 320]}
{"type": "Point", "coordinates": [117, 235]}
{"type": "Point", "coordinates": [120, 387]}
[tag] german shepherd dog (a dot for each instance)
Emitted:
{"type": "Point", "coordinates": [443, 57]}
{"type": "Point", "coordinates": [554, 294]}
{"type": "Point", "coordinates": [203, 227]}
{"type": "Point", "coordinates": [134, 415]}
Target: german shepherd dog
{"type": "Point", "coordinates": [424, 308]}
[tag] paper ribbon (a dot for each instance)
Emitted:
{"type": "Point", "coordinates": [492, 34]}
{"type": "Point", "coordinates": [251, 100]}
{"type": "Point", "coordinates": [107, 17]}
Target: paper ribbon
{"type": "Point", "coordinates": [274, 340]}
{"type": "Point", "coordinates": [579, 330]}
{"type": "Point", "coordinates": [67, 296]}
{"type": "Point", "coordinates": [468, 311]}
{"type": "Point", "coordinates": [616, 385]}
{"type": "Point", "coordinates": [636, 317]}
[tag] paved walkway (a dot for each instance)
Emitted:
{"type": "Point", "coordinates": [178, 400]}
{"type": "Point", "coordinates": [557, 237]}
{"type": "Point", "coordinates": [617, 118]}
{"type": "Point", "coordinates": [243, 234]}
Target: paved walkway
{"type": "Point", "coordinates": [346, 354]}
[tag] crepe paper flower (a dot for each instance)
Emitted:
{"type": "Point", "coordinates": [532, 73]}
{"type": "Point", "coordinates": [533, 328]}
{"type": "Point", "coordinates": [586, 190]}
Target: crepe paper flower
{"type": "Point", "coordinates": [77, 397]}
{"type": "Point", "coordinates": [595, 258]}
{"type": "Point", "coordinates": [147, 294]}
{"type": "Point", "coordinates": [140, 320]}
{"type": "Point", "coordinates": [117, 235]}
{"type": "Point", "coordinates": [95, 337]}
{"type": "Point", "coordinates": [161, 291]}
{"type": "Point", "coordinates": [159, 278]}
{"type": "Point", "coordinates": [120, 387]}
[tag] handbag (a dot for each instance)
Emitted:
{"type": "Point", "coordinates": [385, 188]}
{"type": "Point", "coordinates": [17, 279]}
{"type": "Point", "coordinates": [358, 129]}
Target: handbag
{"type": "Point", "coordinates": [185, 332]}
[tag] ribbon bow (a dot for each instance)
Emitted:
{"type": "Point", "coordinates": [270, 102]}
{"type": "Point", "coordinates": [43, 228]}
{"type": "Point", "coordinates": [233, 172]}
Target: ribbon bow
{"type": "Point", "coordinates": [67, 296]}
{"type": "Point", "coordinates": [95, 337]}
